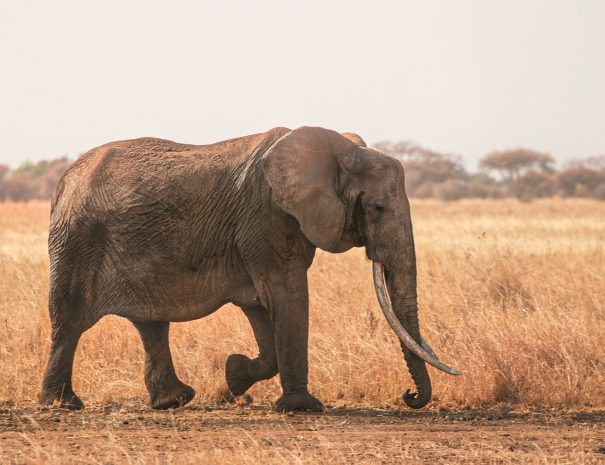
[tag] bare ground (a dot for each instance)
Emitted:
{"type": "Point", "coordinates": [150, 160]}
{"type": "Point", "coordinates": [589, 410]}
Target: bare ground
{"type": "Point", "coordinates": [254, 434]}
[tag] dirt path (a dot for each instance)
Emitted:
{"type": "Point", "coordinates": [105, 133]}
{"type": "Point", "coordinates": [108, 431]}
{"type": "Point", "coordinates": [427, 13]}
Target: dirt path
{"type": "Point", "coordinates": [134, 434]}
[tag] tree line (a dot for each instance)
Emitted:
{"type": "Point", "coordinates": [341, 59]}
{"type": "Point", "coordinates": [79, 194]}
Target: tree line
{"type": "Point", "coordinates": [518, 172]}
{"type": "Point", "coordinates": [31, 180]}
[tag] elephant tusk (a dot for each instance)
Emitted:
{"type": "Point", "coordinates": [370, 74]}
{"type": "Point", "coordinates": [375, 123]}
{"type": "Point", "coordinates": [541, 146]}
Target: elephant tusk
{"type": "Point", "coordinates": [424, 351]}
{"type": "Point", "coordinates": [425, 345]}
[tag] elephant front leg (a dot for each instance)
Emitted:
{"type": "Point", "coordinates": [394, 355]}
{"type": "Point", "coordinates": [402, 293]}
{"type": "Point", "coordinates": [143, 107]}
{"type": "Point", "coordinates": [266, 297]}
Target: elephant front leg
{"type": "Point", "coordinates": [290, 312]}
{"type": "Point", "coordinates": [165, 389]}
{"type": "Point", "coordinates": [242, 372]}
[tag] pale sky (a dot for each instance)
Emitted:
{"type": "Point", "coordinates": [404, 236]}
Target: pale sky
{"type": "Point", "coordinates": [461, 76]}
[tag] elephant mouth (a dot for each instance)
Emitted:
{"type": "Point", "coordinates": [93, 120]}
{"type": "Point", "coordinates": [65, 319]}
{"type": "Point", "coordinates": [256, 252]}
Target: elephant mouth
{"type": "Point", "coordinates": [423, 350]}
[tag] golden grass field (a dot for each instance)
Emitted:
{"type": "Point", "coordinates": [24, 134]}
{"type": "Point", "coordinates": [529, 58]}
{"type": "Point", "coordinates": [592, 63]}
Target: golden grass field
{"type": "Point", "coordinates": [511, 293]}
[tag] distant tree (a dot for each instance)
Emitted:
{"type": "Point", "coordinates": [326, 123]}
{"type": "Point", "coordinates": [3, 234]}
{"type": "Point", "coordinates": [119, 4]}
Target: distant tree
{"type": "Point", "coordinates": [511, 164]}
{"type": "Point", "coordinates": [46, 183]}
{"type": "Point", "coordinates": [3, 171]}
{"type": "Point", "coordinates": [32, 180]}
{"type": "Point", "coordinates": [439, 167]}
{"type": "Point", "coordinates": [426, 190]}
{"type": "Point", "coordinates": [451, 189]}
{"type": "Point", "coordinates": [599, 192]}
{"type": "Point", "coordinates": [424, 168]}
{"type": "Point", "coordinates": [404, 150]}
{"type": "Point", "coordinates": [17, 188]}
{"type": "Point", "coordinates": [38, 169]}
{"type": "Point", "coordinates": [534, 185]}
{"type": "Point", "coordinates": [594, 162]}
{"type": "Point", "coordinates": [481, 185]}
{"type": "Point", "coordinates": [26, 168]}
{"type": "Point", "coordinates": [581, 182]}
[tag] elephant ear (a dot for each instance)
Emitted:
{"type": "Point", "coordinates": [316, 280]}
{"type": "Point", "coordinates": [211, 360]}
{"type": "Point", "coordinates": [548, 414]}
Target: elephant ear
{"type": "Point", "coordinates": [355, 138]}
{"type": "Point", "coordinates": [302, 168]}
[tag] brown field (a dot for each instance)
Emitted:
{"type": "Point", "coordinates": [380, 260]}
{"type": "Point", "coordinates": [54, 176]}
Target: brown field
{"type": "Point", "coordinates": [511, 293]}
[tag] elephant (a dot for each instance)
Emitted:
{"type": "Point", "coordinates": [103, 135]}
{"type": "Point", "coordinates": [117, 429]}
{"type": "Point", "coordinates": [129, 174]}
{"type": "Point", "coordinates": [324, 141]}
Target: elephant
{"type": "Point", "coordinates": [157, 232]}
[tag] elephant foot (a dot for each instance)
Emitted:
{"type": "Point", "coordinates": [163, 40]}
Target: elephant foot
{"type": "Point", "coordinates": [180, 394]}
{"type": "Point", "coordinates": [66, 399]}
{"type": "Point", "coordinates": [298, 403]}
{"type": "Point", "coordinates": [241, 372]}
{"type": "Point", "coordinates": [236, 374]}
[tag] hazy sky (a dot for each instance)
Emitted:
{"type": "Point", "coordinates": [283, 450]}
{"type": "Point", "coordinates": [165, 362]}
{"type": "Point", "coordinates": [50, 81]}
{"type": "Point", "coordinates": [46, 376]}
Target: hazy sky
{"type": "Point", "coordinates": [465, 77]}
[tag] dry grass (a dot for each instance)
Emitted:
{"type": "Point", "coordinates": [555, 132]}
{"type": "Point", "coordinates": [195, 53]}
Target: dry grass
{"type": "Point", "coordinates": [511, 293]}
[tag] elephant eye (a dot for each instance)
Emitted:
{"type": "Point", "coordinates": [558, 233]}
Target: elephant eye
{"type": "Point", "coordinates": [379, 207]}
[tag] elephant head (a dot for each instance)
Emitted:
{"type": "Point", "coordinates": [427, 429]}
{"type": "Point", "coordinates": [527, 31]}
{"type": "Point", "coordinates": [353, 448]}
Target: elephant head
{"type": "Point", "coordinates": [345, 195]}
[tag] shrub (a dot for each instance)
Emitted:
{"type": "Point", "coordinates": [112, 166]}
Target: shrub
{"type": "Point", "coordinates": [452, 189]}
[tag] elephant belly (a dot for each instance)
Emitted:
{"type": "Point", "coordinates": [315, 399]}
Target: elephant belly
{"type": "Point", "coordinates": [185, 297]}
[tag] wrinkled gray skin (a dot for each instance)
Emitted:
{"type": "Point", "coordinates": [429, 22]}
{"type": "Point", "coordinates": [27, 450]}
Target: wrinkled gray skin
{"type": "Point", "coordinates": [156, 231]}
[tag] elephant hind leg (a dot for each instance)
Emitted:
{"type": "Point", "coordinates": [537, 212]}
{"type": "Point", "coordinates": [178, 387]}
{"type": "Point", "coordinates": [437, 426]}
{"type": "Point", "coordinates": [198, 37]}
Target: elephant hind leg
{"type": "Point", "coordinates": [242, 372]}
{"type": "Point", "coordinates": [56, 386]}
{"type": "Point", "coordinates": [69, 319]}
{"type": "Point", "coordinates": [165, 389]}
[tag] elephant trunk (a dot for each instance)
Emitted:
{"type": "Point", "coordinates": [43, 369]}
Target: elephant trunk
{"type": "Point", "coordinates": [399, 287]}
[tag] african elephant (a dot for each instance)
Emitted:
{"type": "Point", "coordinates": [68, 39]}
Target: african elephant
{"type": "Point", "coordinates": [156, 231]}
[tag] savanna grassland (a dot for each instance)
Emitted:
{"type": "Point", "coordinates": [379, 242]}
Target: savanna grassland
{"type": "Point", "coordinates": [511, 293]}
